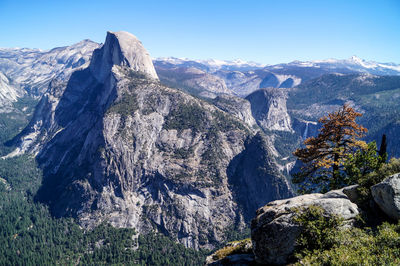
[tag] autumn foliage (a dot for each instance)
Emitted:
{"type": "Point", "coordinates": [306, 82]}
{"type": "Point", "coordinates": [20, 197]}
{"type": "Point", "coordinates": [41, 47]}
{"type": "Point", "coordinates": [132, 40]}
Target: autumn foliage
{"type": "Point", "coordinates": [324, 156]}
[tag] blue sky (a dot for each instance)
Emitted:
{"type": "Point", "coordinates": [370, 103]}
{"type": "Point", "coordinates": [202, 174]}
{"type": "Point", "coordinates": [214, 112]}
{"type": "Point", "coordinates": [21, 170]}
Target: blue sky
{"type": "Point", "coordinates": [262, 31]}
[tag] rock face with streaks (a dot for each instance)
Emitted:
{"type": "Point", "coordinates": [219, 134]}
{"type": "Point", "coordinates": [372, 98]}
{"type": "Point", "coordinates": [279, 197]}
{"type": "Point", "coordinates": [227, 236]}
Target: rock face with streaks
{"type": "Point", "coordinates": [115, 145]}
{"type": "Point", "coordinates": [268, 107]}
{"type": "Point", "coordinates": [238, 107]}
{"type": "Point", "coordinates": [122, 49]}
{"type": "Point", "coordinates": [8, 93]}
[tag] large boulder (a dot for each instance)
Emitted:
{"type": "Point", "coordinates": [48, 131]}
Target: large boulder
{"type": "Point", "coordinates": [387, 195]}
{"type": "Point", "coordinates": [274, 231]}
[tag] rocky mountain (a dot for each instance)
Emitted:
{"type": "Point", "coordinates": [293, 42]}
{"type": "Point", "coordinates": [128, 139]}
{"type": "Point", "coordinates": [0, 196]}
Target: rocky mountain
{"type": "Point", "coordinates": [210, 65]}
{"type": "Point", "coordinates": [116, 145]}
{"type": "Point", "coordinates": [33, 69]}
{"type": "Point", "coordinates": [268, 107]}
{"type": "Point", "coordinates": [238, 107]}
{"type": "Point", "coordinates": [194, 81]}
{"type": "Point", "coordinates": [8, 93]}
{"type": "Point", "coordinates": [353, 64]}
{"type": "Point", "coordinates": [217, 81]}
{"type": "Point", "coordinates": [242, 78]}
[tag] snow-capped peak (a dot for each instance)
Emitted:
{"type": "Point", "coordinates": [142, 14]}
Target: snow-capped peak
{"type": "Point", "coordinates": [356, 59]}
{"type": "Point", "coordinates": [353, 63]}
{"type": "Point", "coordinates": [213, 64]}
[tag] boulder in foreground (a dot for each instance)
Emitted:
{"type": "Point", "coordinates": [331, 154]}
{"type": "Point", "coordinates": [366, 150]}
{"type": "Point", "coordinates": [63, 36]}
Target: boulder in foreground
{"type": "Point", "coordinates": [387, 195]}
{"type": "Point", "coordinates": [274, 231]}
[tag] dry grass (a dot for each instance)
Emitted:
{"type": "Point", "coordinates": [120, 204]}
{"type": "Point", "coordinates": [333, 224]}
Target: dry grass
{"type": "Point", "coordinates": [235, 247]}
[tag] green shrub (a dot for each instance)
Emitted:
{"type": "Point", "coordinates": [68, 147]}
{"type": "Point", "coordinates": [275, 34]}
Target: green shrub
{"type": "Point", "coordinates": [373, 178]}
{"type": "Point", "coordinates": [319, 230]}
{"type": "Point", "coordinates": [360, 247]}
{"type": "Point", "coordinates": [363, 162]}
{"type": "Point", "coordinates": [324, 242]}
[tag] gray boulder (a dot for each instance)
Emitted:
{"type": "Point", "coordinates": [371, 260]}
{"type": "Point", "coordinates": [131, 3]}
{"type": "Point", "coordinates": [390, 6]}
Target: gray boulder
{"type": "Point", "coordinates": [352, 193]}
{"type": "Point", "coordinates": [274, 232]}
{"type": "Point", "coordinates": [387, 195]}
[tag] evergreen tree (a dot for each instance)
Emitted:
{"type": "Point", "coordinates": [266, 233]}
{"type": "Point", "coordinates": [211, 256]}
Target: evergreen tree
{"type": "Point", "coordinates": [382, 150]}
{"type": "Point", "coordinates": [324, 156]}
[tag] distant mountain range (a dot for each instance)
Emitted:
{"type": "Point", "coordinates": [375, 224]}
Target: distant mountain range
{"type": "Point", "coordinates": [210, 65]}
{"type": "Point", "coordinates": [242, 78]}
{"type": "Point", "coordinates": [30, 71]}
{"type": "Point", "coordinates": [352, 64]}
{"type": "Point", "coordinates": [33, 69]}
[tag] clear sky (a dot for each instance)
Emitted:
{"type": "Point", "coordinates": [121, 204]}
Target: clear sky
{"type": "Point", "coordinates": [263, 31]}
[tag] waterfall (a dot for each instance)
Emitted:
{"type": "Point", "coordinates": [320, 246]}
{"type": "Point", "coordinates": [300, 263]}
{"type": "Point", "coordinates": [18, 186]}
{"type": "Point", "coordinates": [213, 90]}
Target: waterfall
{"type": "Point", "coordinates": [305, 131]}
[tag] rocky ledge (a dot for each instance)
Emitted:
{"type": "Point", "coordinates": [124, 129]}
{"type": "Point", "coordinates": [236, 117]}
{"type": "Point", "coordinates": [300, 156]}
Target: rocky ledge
{"type": "Point", "coordinates": [274, 230]}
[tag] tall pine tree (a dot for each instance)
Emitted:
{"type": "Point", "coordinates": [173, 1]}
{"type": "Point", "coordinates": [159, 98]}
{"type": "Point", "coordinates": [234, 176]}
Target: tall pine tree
{"type": "Point", "coordinates": [324, 156]}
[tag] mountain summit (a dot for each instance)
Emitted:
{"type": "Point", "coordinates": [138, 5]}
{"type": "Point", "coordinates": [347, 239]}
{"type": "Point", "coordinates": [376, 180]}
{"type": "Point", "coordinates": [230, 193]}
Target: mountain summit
{"type": "Point", "coordinates": [122, 49]}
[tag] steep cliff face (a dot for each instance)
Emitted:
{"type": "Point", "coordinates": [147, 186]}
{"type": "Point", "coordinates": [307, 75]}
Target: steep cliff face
{"type": "Point", "coordinates": [115, 145]}
{"type": "Point", "coordinates": [238, 107]}
{"type": "Point", "coordinates": [122, 49]}
{"type": "Point", "coordinates": [8, 93]}
{"type": "Point", "coordinates": [251, 174]}
{"type": "Point", "coordinates": [269, 109]}
{"type": "Point", "coordinates": [72, 89]}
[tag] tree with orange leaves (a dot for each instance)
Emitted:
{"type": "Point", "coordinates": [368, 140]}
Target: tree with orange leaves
{"type": "Point", "coordinates": [324, 156]}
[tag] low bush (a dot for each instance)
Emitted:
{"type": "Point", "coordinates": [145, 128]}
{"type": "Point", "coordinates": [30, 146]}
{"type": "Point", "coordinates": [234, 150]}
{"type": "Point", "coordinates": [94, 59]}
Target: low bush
{"type": "Point", "coordinates": [360, 247]}
{"type": "Point", "coordinates": [319, 230]}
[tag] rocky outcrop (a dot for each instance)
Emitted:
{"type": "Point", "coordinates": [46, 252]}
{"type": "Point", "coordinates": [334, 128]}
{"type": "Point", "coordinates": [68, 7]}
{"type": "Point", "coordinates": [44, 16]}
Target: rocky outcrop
{"type": "Point", "coordinates": [268, 107]}
{"type": "Point", "coordinates": [8, 93]}
{"type": "Point", "coordinates": [237, 107]}
{"type": "Point", "coordinates": [42, 127]}
{"type": "Point", "coordinates": [387, 196]}
{"type": "Point", "coordinates": [274, 232]}
{"type": "Point", "coordinates": [122, 148]}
